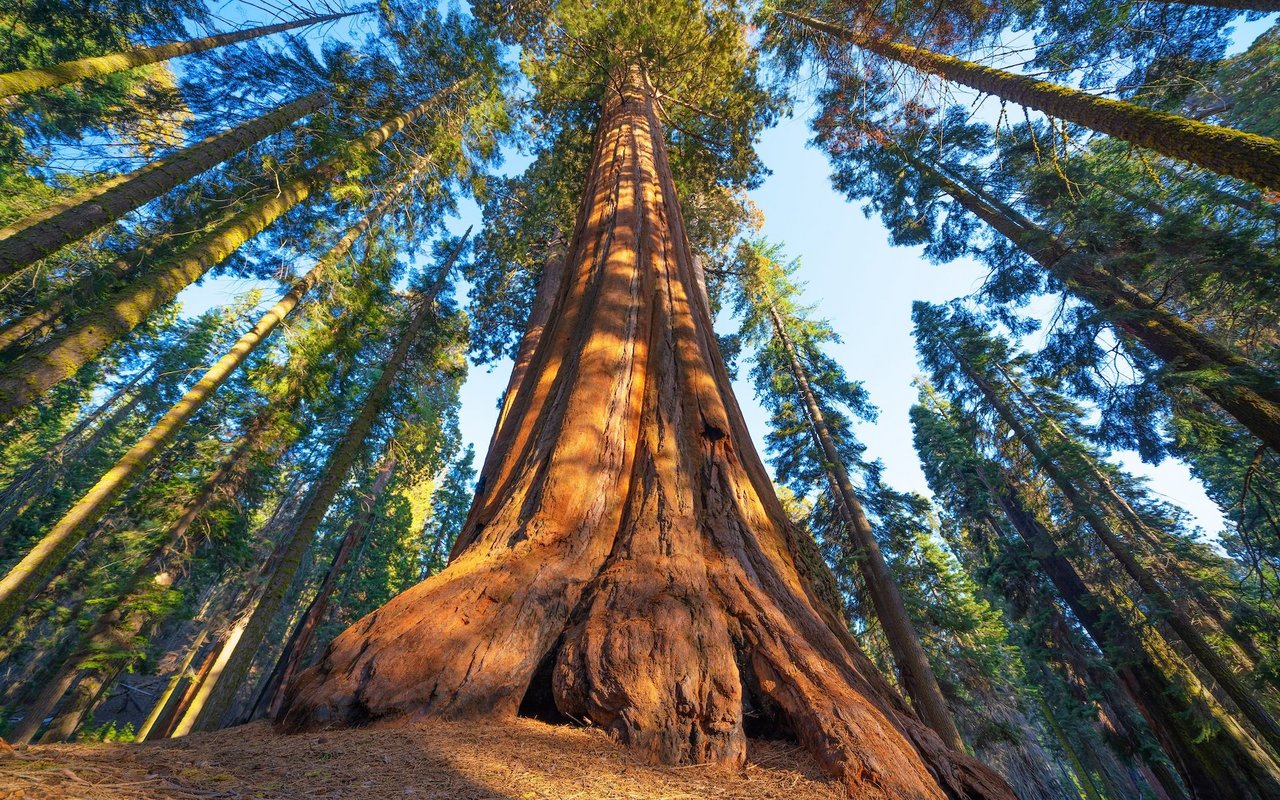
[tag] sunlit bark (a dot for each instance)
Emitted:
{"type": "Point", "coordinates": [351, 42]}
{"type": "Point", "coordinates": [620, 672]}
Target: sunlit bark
{"type": "Point", "coordinates": [626, 557]}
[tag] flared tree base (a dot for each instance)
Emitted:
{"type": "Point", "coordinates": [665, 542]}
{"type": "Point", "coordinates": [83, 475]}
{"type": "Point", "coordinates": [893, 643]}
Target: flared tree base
{"type": "Point", "coordinates": [626, 544]}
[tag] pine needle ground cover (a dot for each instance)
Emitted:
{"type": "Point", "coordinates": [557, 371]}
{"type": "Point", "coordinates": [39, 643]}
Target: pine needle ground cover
{"type": "Point", "coordinates": [521, 760]}
{"type": "Point", "coordinates": [247, 267]}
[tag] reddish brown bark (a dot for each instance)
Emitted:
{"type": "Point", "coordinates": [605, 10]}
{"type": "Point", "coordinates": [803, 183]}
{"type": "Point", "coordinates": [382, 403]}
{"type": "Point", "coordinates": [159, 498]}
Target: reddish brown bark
{"type": "Point", "coordinates": [627, 540]}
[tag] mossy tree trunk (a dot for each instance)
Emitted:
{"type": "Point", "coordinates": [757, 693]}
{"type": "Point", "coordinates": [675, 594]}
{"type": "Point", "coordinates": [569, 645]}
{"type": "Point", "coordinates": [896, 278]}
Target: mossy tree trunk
{"type": "Point", "coordinates": [1162, 603]}
{"type": "Point", "coordinates": [344, 454]}
{"type": "Point", "coordinates": [627, 558]}
{"type": "Point", "coordinates": [1171, 698]}
{"type": "Point", "coordinates": [31, 80]}
{"type": "Point", "coordinates": [1227, 151]}
{"type": "Point", "coordinates": [272, 694]}
{"type": "Point", "coordinates": [108, 646]}
{"type": "Point", "coordinates": [1248, 393]}
{"type": "Point", "coordinates": [28, 240]}
{"type": "Point", "coordinates": [43, 367]}
{"type": "Point", "coordinates": [19, 584]}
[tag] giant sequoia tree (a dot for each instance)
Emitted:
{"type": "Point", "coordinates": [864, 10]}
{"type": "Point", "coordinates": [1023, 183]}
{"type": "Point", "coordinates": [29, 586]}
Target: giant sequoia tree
{"type": "Point", "coordinates": [626, 560]}
{"type": "Point", "coordinates": [626, 557]}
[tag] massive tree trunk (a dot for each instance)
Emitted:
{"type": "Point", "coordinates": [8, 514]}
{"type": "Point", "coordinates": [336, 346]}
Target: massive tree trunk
{"type": "Point", "coordinates": [28, 240]}
{"type": "Point", "coordinates": [30, 80]}
{"type": "Point", "coordinates": [544, 301]}
{"type": "Point", "coordinates": [1227, 151]}
{"type": "Point", "coordinates": [908, 654]}
{"type": "Point", "coordinates": [626, 556]}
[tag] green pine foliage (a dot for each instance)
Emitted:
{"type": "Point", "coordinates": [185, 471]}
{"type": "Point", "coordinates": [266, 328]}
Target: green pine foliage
{"type": "Point", "coordinates": [1037, 689]}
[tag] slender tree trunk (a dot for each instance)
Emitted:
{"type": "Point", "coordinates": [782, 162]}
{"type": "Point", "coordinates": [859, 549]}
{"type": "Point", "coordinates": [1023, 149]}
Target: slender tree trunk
{"type": "Point", "coordinates": [117, 417]}
{"type": "Point", "coordinates": [25, 678]}
{"type": "Point", "coordinates": [33, 483]}
{"type": "Point", "coordinates": [1250, 395]}
{"type": "Point", "coordinates": [1133, 772]}
{"type": "Point", "coordinates": [28, 240]}
{"type": "Point", "coordinates": [86, 291]}
{"type": "Point", "coordinates": [1090, 681]}
{"type": "Point", "coordinates": [1019, 755]}
{"type": "Point", "coordinates": [34, 714]}
{"type": "Point", "coordinates": [108, 645]}
{"type": "Point", "coordinates": [1191, 594]}
{"type": "Point", "coordinates": [909, 656]}
{"type": "Point", "coordinates": [173, 720]}
{"type": "Point", "coordinates": [1229, 764]}
{"type": "Point", "coordinates": [1227, 151]}
{"type": "Point", "coordinates": [202, 688]}
{"type": "Point", "coordinates": [52, 362]}
{"type": "Point", "coordinates": [229, 679]}
{"type": "Point", "coordinates": [1164, 605]}
{"type": "Point", "coordinates": [114, 631]}
{"type": "Point", "coordinates": [355, 535]}
{"type": "Point", "coordinates": [17, 586]}
{"type": "Point", "coordinates": [183, 718]}
{"type": "Point", "coordinates": [30, 80]}
{"type": "Point", "coordinates": [1242, 6]}
{"type": "Point", "coordinates": [627, 557]}
{"type": "Point", "coordinates": [165, 700]}
{"type": "Point", "coordinates": [21, 333]}
{"type": "Point", "coordinates": [1088, 788]}
{"type": "Point", "coordinates": [117, 625]}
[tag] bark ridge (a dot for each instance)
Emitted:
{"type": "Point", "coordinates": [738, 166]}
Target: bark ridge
{"type": "Point", "coordinates": [626, 554]}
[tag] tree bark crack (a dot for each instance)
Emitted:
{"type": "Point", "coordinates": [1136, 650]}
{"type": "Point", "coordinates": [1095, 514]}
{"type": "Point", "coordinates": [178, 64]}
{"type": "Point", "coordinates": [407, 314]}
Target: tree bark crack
{"type": "Point", "coordinates": [623, 550]}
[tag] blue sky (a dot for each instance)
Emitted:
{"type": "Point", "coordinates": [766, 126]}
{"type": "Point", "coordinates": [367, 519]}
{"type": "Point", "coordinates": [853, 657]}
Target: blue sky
{"type": "Point", "coordinates": [864, 286]}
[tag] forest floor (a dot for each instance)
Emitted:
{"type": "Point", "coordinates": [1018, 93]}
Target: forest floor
{"type": "Point", "coordinates": [520, 760]}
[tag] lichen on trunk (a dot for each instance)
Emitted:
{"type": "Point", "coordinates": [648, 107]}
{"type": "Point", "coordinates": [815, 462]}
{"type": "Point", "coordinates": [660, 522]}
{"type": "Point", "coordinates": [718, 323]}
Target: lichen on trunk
{"type": "Point", "coordinates": [625, 545]}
